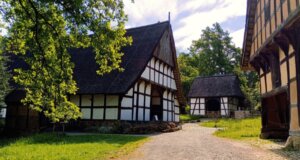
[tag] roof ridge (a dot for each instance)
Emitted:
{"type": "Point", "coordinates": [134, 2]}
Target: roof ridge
{"type": "Point", "coordinates": [149, 25]}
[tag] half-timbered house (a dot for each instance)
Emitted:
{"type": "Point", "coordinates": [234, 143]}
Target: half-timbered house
{"type": "Point", "coordinates": [148, 89]}
{"type": "Point", "coordinates": [219, 94]}
{"type": "Point", "coordinates": [271, 47]}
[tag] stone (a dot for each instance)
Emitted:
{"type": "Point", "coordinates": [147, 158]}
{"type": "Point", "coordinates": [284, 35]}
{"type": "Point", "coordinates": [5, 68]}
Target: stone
{"type": "Point", "coordinates": [293, 142]}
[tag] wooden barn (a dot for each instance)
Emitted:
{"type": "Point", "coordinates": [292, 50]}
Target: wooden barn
{"type": "Point", "coordinates": [272, 48]}
{"type": "Point", "coordinates": [148, 89]}
{"type": "Point", "coordinates": [221, 94]}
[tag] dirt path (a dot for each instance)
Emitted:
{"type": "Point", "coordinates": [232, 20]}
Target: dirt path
{"type": "Point", "coordinates": [194, 142]}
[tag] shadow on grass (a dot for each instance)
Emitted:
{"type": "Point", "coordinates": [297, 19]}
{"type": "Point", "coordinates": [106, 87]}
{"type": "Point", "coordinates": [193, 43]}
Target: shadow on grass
{"type": "Point", "coordinates": [55, 139]}
{"type": "Point", "coordinates": [287, 153]}
{"type": "Point", "coordinates": [279, 149]}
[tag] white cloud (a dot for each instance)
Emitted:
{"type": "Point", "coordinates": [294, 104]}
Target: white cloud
{"type": "Point", "coordinates": [188, 17]}
{"type": "Point", "coordinates": [238, 37]}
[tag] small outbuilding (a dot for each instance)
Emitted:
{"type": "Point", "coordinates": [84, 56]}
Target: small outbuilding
{"type": "Point", "coordinates": [219, 94]}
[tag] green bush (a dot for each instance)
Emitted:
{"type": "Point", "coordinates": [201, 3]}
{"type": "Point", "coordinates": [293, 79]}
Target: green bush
{"type": "Point", "coordinates": [2, 122]}
{"type": "Point", "coordinates": [188, 117]}
{"type": "Point", "coordinates": [187, 109]}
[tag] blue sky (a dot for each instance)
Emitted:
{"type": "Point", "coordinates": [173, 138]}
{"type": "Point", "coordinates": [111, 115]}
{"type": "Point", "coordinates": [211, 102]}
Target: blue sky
{"type": "Point", "coordinates": [189, 17]}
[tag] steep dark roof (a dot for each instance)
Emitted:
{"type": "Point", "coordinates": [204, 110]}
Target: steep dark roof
{"type": "Point", "coordinates": [134, 61]}
{"type": "Point", "coordinates": [216, 86]}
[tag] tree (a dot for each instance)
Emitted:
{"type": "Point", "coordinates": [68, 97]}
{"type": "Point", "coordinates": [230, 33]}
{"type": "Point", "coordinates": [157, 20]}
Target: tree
{"type": "Point", "coordinates": [41, 32]}
{"type": "Point", "coordinates": [214, 53]}
{"type": "Point", "coordinates": [4, 75]}
{"type": "Point", "coordinates": [249, 83]}
{"type": "Point", "coordinates": [188, 71]}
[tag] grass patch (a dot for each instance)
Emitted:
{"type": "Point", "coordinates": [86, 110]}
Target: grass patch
{"type": "Point", "coordinates": [84, 147]}
{"type": "Point", "coordinates": [236, 129]}
{"type": "Point", "coordinates": [187, 117]}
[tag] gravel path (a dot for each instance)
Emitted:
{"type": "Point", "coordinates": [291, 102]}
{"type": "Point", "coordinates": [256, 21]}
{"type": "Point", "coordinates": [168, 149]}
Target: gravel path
{"type": "Point", "coordinates": [194, 142]}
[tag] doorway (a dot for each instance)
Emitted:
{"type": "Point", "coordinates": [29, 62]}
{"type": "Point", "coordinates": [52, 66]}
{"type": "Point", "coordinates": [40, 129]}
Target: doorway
{"type": "Point", "coordinates": [275, 116]}
{"type": "Point", "coordinates": [213, 105]}
{"type": "Point", "coordinates": [156, 109]}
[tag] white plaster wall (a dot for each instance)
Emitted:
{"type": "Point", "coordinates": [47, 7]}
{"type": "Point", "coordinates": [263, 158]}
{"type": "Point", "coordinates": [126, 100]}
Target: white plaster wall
{"type": "Point", "coordinates": [165, 116]}
{"type": "Point", "coordinates": [147, 101]}
{"type": "Point", "coordinates": [141, 100]}
{"type": "Point", "coordinates": [170, 116]}
{"type": "Point", "coordinates": [148, 89]}
{"type": "Point", "coordinates": [202, 100]}
{"type": "Point", "coordinates": [176, 118]}
{"type": "Point", "coordinates": [98, 113]}
{"type": "Point", "coordinates": [146, 73]}
{"type": "Point", "coordinates": [202, 106]}
{"type": "Point", "coordinates": [112, 100]}
{"type": "Point", "coordinates": [142, 87]}
{"type": "Point", "coordinates": [3, 113]}
{"type": "Point", "coordinates": [99, 100]}
{"type": "Point", "coordinates": [130, 92]}
{"type": "Point", "coordinates": [86, 100]}
{"type": "Point", "coordinates": [86, 113]}
{"type": "Point", "coordinates": [147, 114]}
{"type": "Point", "coordinates": [126, 114]}
{"type": "Point", "coordinates": [126, 102]}
{"type": "Point", "coordinates": [165, 104]}
{"type": "Point", "coordinates": [152, 75]}
{"type": "Point", "coordinates": [111, 113]}
{"type": "Point", "coordinates": [141, 114]}
{"type": "Point", "coordinates": [134, 113]}
{"type": "Point", "coordinates": [193, 100]}
{"type": "Point", "coordinates": [135, 99]}
{"type": "Point", "coordinates": [202, 112]}
{"type": "Point", "coordinates": [177, 110]}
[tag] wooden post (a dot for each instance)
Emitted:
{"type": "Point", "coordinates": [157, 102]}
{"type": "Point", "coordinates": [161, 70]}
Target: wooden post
{"type": "Point", "coordinates": [294, 38]}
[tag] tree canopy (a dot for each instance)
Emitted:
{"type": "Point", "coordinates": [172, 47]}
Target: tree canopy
{"type": "Point", "coordinates": [212, 54]}
{"type": "Point", "coordinates": [4, 75]}
{"type": "Point", "coordinates": [41, 32]}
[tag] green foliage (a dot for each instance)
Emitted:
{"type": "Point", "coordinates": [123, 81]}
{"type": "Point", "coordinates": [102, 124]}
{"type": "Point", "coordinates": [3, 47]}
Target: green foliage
{"type": "Point", "coordinates": [85, 147]}
{"type": "Point", "coordinates": [249, 83]}
{"type": "Point", "coordinates": [4, 75]}
{"type": "Point", "coordinates": [214, 53]}
{"type": "Point", "coordinates": [187, 109]}
{"type": "Point", "coordinates": [41, 32]}
{"type": "Point", "coordinates": [236, 129]}
{"type": "Point", "coordinates": [188, 117]}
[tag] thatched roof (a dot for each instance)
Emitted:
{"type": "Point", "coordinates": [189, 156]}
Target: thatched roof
{"type": "Point", "coordinates": [216, 86]}
{"type": "Point", "coordinates": [134, 62]}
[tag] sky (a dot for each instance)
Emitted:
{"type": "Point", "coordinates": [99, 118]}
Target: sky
{"type": "Point", "coordinates": [189, 17]}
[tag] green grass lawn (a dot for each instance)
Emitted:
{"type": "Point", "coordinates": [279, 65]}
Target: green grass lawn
{"type": "Point", "coordinates": [236, 129]}
{"type": "Point", "coordinates": [63, 147]}
{"type": "Point", "coordinates": [187, 117]}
